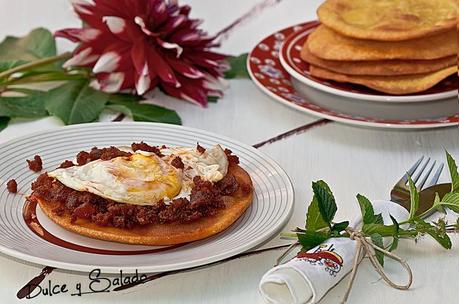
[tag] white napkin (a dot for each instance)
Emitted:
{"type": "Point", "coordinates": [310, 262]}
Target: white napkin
{"type": "Point", "coordinates": [307, 279]}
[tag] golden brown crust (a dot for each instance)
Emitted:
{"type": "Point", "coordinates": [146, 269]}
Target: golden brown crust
{"type": "Point", "coordinates": [389, 20]}
{"type": "Point", "coordinates": [165, 234]}
{"type": "Point", "coordinates": [379, 67]}
{"type": "Point", "coordinates": [397, 85]}
{"type": "Point", "coordinates": [328, 44]}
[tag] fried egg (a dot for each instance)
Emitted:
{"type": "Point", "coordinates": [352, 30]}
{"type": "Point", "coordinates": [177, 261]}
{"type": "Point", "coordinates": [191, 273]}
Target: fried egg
{"type": "Point", "coordinates": [144, 178]}
{"type": "Point", "coordinates": [212, 165]}
{"type": "Point", "coordinates": [137, 179]}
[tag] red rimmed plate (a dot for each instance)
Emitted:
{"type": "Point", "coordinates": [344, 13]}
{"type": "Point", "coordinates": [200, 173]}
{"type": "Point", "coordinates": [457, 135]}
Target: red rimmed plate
{"type": "Point", "coordinates": [269, 75]}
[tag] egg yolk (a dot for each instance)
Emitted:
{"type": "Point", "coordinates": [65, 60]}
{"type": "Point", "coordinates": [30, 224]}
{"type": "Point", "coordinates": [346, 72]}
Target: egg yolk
{"type": "Point", "coordinates": [143, 173]}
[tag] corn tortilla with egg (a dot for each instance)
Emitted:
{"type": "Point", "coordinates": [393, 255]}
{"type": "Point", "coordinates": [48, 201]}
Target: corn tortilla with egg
{"type": "Point", "coordinates": [164, 234]}
{"type": "Point", "coordinates": [148, 179]}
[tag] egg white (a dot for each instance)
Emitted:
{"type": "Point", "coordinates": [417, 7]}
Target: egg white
{"type": "Point", "coordinates": [144, 178]}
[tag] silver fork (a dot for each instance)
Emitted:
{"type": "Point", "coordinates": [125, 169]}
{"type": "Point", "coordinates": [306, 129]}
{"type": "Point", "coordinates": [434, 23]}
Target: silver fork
{"type": "Point", "coordinates": [423, 176]}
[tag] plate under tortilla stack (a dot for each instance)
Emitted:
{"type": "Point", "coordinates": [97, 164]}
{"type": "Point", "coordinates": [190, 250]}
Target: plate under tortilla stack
{"type": "Point", "coordinates": [379, 67]}
{"type": "Point", "coordinates": [397, 85]}
{"type": "Point", "coordinates": [328, 44]}
{"type": "Point", "coordinates": [389, 20]}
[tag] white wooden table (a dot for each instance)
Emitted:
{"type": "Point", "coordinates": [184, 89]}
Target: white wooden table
{"type": "Point", "coordinates": [350, 159]}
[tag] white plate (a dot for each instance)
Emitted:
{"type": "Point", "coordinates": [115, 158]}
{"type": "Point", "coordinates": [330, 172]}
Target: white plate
{"type": "Point", "coordinates": [269, 212]}
{"type": "Point", "coordinates": [287, 57]}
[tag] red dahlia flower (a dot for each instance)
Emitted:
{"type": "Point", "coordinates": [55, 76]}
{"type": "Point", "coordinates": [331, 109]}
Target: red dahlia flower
{"type": "Point", "coordinates": [140, 44]}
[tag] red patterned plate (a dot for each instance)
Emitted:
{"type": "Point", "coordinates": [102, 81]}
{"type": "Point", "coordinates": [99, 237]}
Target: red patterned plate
{"type": "Point", "coordinates": [290, 59]}
{"type": "Point", "coordinates": [268, 74]}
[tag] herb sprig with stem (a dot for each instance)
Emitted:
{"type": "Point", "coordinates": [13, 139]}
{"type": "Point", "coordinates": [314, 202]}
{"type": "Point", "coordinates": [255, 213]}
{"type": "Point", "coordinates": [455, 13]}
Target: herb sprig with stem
{"type": "Point", "coordinates": [320, 226]}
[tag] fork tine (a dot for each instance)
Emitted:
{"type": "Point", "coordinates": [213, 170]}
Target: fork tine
{"type": "Point", "coordinates": [418, 174]}
{"type": "Point", "coordinates": [404, 179]}
{"type": "Point", "coordinates": [436, 176]}
{"type": "Point", "coordinates": [420, 185]}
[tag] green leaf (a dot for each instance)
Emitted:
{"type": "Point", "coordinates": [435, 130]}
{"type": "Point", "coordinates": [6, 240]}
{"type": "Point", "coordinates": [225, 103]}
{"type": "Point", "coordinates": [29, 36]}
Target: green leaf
{"type": "Point", "coordinates": [440, 236]}
{"type": "Point", "coordinates": [338, 227]}
{"type": "Point", "coordinates": [4, 122]}
{"type": "Point", "coordinates": [377, 239]}
{"type": "Point", "coordinates": [414, 198]}
{"type": "Point", "coordinates": [378, 219]}
{"type": "Point", "coordinates": [75, 102]}
{"type": "Point", "coordinates": [30, 106]}
{"type": "Point", "coordinates": [311, 239]}
{"type": "Point", "coordinates": [384, 230]}
{"type": "Point", "coordinates": [39, 43]}
{"type": "Point", "coordinates": [394, 244]}
{"type": "Point", "coordinates": [6, 65]}
{"type": "Point", "coordinates": [368, 213]}
{"type": "Point", "coordinates": [212, 99]}
{"type": "Point", "coordinates": [129, 105]}
{"type": "Point", "coordinates": [238, 67]}
{"type": "Point", "coordinates": [325, 199]}
{"type": "Point", "coordinates": [314, 220]}
{"type": "Point", "coordinates": [453, 172]}
{"type": "Point", "coordinates": [451, 201]}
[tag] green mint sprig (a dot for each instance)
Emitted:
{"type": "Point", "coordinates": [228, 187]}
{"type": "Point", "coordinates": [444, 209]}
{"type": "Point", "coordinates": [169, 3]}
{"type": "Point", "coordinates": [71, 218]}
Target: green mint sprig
{"type": "Point", "coordinates": [320, 224]}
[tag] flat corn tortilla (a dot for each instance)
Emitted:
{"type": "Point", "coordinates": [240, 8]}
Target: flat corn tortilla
{"type": "Point", "coordinates": [379, 67]}
{"type": "Point", "coordinates": [395, 85]}
{"type": "Point", "coordinates": [389, 20]}
{"type": "Point", "coordinates": [328, 44]}
{"type": "Point", "coordinates": [163, 234]}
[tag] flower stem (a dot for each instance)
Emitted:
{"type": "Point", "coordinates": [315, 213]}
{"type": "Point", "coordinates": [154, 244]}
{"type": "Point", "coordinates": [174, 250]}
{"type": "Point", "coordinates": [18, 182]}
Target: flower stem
{"type": "Point", "coordinates": [34, 64]}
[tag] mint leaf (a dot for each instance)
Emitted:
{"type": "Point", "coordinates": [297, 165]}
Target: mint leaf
{"type": "Point", "coordinates": [451, 201]}
{"type": "Point", "coordinates": [238, 67]}
{"type": "Point", "coordinates": [29, 106]}
{"type": "Point", "coordinates": [414, 198]}
{"type": "Point", "coordinates": [378, 219]}
{"type": "Point", "coordinates": [383, 230]}
{"type": "Point", "coordinates": [440, 236]}
{"type": "Point", "coordinates": [453, 172]}
{"type": "Point", "coordinates": [311, 239]}
{"type": "Point", "coordinates": [4, 122]}
{"type": "Point", "coordinates": [338, 227]}
{"type": "Point", "coordinates": [130, 106]}
{"type": "Point", "coordinates": [75, 102]}
{"type": "Point", "coordinates": [39, 43]}
{"type": "Point", "coordinates": [394, 244]}
{"type": "Point", "coordinates": [377, 239]}
{"type": "Point", "coordinates": [368, 213]}
{"type": "Point", "coordinates": [326, 201]}
{"type": "Point", "coordinates": [314, 220]}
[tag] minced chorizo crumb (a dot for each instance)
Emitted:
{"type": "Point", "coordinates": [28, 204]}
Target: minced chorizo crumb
{"type": "Point", "coordinates": [232, 159]}
{"type": "Point", "coordinates": [200, 149]}
{"type": "Point", "coordinates": [82, 158]}
{"type": "Point", "coordinates": [12, 186]}
{"type": "Point", "coordinates": [66, 164]}
{"type": "Point", "coordinates": [177, 163]}
{"type": "Point", "coordinates": [142, 146]}
{"type": "Point", "coordinates": [36, 164]}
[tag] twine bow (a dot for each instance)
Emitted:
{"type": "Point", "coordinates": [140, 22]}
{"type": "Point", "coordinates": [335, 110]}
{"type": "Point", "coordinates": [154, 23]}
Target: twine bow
{"type": "Point", "coordinates": [367, 247]}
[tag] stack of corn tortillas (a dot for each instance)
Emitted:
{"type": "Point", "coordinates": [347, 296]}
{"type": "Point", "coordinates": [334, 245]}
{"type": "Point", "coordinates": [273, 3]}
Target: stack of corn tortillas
{"type": "Point", "coordinates": [393, 46]}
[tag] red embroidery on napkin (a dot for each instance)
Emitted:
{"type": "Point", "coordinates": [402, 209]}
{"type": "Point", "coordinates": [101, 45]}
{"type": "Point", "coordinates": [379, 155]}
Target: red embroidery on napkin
{"type": "Point", "coordinates": [324, 255]}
